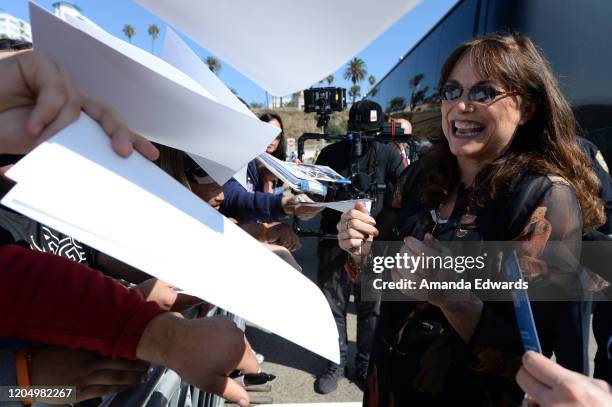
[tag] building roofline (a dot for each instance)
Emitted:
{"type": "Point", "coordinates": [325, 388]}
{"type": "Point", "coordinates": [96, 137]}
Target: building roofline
{"type": "Point", "coordinates": [452, 9]}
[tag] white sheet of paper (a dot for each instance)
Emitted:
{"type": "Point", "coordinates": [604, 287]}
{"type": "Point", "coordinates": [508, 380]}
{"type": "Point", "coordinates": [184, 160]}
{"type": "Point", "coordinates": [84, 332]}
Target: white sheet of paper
{"type": "Point", "coordinates": [178, 54]}
{"type": "Point", "coordinates": [314, 38]}
{"type": "Point", "coordinates": [342, 206]}
{"type": "Point", "coordinates": [133, 211]}
{"type": "Point", "coordinates": [156, 99]}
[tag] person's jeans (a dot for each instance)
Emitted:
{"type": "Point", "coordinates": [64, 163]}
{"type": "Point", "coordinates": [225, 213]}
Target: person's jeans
{"type": "Point", "coordinates": [337, 288]}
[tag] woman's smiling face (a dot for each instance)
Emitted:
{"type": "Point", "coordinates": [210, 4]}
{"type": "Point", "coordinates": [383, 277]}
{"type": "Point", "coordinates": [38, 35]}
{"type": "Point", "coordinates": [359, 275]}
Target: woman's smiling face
{"type": "Point", "coordinates": [479, 131]}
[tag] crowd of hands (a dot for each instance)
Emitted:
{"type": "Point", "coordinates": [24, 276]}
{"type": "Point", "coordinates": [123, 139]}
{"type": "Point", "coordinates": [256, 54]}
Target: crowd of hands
{"type": "Point", "coordinates": [38, 99]}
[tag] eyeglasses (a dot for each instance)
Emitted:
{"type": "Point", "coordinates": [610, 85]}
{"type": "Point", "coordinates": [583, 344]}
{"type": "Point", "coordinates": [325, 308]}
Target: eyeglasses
{"type": "Point", "coordinates": [199, 176]}
{"type": "Point", "coordinates": [478, 93]}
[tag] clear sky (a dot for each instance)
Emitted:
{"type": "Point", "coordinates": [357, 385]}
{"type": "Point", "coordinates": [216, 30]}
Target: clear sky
{"type": "Point", "coordinates": [380, 56]}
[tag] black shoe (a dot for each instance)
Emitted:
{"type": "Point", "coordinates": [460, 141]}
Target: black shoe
{"type": "Point", "coordinates": [360, 377]}
{"type": "Point", "coordinates": [328, 381]}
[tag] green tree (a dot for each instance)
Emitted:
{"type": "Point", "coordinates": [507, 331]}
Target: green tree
{"type": "Point", "coordinates": [213, 64]}
{"type": "Point", "coordinates": [129, 31]}
{"type": "Point", "coordinates": [154, 33]}
{"type": "Point", "coordinates": [355, 72]}
{"type": "Point", "coordinates": [371, 82]}
{"type": "Point", "coordinates": [329, 79]}
{"type": "Point", "coordinates": [355, 92]}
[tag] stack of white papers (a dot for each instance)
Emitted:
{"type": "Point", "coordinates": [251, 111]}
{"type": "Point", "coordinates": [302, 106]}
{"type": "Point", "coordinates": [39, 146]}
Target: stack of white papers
{"type": "Point", "coordinates": [133, 211]}
{"type": "Point", "coordinates": [287, 172]}
{"type": "Point", "coordinates": [156, 99]}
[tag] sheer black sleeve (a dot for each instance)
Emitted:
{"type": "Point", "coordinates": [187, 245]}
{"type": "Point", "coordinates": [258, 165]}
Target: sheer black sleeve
{"type": "Point", "coordinates": [549, 251]}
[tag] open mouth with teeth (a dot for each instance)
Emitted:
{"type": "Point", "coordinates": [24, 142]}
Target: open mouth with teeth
{"type": "Point", "coordinates": [466, 128]}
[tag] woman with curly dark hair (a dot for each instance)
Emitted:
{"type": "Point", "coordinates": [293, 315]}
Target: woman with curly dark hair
{"type": "Point", "coordinates": [506, 169]}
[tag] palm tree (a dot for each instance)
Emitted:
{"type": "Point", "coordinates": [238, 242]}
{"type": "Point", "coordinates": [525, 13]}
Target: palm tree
{"type": "Point", "coordinates": [355, 70]}
{"type": "Point", "coordinates": [371, 80]}
{"type": "Point", "coordinates": [355, 92]}
{"type": "Point", "coordinates": [129, 31]}
{"type": "Point", "coordinates": [153, 32]}
{"type": "Point", "coordinates": [213, 64]}
{"type": "Point", "coordinates": [329, 79]}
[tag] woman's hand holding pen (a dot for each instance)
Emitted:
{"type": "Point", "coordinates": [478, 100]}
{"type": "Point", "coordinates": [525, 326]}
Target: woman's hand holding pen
{"type": "Point", "coordinates": [427, 253]}
{"type": "Point", "coordinates": [355, 229]}
{"type": "Point", "coordinates": [460, 306]}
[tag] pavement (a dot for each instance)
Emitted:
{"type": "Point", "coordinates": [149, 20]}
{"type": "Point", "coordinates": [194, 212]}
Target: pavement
{"type": "Point", "coordinates": [294, 367]}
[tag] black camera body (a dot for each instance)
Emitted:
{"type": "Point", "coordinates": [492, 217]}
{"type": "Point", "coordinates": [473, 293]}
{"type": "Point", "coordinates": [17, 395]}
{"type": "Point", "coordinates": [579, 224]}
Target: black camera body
{"type": "Point", "coordinates": [366, 128]}
{"type": "Point", "coordinates": [324, 100]}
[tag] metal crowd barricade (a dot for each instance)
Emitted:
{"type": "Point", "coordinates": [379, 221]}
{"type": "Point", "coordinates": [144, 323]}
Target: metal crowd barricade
{"type": "Point", "coordinates": [165, 388]}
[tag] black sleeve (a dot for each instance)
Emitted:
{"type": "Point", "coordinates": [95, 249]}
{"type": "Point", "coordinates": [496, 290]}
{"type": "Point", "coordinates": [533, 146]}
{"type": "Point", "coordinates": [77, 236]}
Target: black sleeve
{"type": "Point", "coordinates": [394, 163]}
{"type": "Point", "coordinates": [324, 157]}
{"type": "Point", "coordinates": [602, 171]}
{"type": "Point", "coordinates": [552, 235]}
{"type": "Point", "coordinates": [606, 192]}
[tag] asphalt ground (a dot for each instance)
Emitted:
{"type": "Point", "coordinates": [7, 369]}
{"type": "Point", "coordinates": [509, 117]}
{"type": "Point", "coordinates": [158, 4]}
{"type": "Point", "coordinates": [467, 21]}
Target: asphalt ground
{"type": "Point", "coordinates": [294, 367]}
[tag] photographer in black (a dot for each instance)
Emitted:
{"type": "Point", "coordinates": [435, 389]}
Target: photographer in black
{"type": "Point", "coordinates": [372, 167]}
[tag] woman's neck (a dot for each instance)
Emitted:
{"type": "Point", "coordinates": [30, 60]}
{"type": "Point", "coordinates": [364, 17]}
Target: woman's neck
{"type": "Point", "coordinates": [468, 169]}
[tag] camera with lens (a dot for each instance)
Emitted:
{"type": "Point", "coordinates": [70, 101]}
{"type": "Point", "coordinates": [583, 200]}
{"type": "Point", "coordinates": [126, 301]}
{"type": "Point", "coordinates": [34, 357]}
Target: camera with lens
{"type": "Point", "coordinates": [367, 128]}
{"type": "Point", "coordinates": [367, 124]}
{"type": "Point", "coordinates": [323, 102]}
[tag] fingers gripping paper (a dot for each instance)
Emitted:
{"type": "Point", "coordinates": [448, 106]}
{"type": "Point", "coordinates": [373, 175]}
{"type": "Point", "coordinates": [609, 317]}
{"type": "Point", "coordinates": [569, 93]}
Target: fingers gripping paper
{"type": "Point", "coordinates": [133, 211]}
{"type": "Point", "coordinates": [318, 36]}
{"type": "Point", "coordinates": [156, 99]}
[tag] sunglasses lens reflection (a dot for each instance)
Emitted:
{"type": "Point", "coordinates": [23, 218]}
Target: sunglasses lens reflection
{"type": "Point", "coordinates": [478, 93]}
{"type": "Point", "coordinates": [482, 93]}
{"type": "Point", "coordinates": [451, 92]}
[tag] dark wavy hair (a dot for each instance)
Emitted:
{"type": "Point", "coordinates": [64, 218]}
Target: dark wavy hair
{"type": "Point", "coordinates": [281, 150]}
{"type": "Point", "coordinates": [545, 144]}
